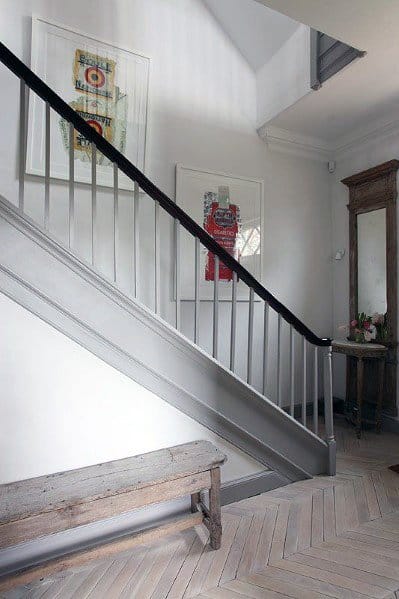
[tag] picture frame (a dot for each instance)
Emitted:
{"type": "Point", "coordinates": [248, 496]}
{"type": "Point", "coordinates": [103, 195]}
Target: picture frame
{"type": "Point", "coordinates": [196, 192]}
{"type": "Point", "coordinates": [108, 85]}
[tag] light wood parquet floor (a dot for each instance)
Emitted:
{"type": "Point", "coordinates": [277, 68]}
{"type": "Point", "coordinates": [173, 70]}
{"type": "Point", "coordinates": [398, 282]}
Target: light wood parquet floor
{"type": "Point", "coordinates": [325, 537]}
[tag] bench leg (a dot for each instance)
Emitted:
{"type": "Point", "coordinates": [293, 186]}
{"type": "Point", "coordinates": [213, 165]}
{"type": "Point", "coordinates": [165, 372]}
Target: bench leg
{"type": "Point", "coordinates": [195, 500]}
{"type": "Point", "coordinates": [214, 510]}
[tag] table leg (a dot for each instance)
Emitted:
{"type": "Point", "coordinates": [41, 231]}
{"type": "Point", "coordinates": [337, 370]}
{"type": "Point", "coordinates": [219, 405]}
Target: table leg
{"type": "Point", "coordinates": [348, 382]}
{"type": "Point", "coordinates": [381, 377]}
{"type": "Point", "coordinates": [359, 398]}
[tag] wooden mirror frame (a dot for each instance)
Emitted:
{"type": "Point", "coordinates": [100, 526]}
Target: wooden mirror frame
{"type": "Point", "coordinates": [370, 190]}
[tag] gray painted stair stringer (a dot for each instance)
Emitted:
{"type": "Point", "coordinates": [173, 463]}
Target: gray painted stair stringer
{"type": "Point", "coordinates": [39, 273]}
{"type": "Point", "coordinates": [55, 316]}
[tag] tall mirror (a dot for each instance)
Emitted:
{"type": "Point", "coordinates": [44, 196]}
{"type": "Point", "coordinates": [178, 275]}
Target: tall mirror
{"type": "Point", "coordinates": [373, 262]}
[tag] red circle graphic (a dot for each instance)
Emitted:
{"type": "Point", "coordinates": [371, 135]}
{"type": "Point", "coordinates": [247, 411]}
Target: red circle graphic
{"type": "Point", "coordinates": [94, 76]}
{"type": "Point", "coordinates": [96, 125]}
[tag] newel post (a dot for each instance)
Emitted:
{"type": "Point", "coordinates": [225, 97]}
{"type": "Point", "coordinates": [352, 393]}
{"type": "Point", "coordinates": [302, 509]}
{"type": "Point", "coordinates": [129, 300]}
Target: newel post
{"type": "Point", "coordinates": [328, 412]}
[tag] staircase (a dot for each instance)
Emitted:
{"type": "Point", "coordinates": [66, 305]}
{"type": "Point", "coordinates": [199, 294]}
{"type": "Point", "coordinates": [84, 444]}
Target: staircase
{"type": "Point", "coordinates": [274, 416]}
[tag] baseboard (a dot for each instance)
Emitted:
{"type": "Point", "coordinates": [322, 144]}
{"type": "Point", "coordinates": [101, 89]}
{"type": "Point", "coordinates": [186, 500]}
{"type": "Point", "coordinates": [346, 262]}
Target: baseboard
{"type": "Point", "coordinates": [249, 486]}
{"type": "Point", "coordinates": [390, 424]}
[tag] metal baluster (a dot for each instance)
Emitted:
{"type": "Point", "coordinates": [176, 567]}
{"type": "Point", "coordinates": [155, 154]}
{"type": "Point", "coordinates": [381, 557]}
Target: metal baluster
{"type": "Point", "coordinates": [328, 413]}
{"type": "Point", "coordinates": [233, 322]}
{"type": "Point", "coordinates": [216, 309]}
{"type": "Point", "coordinates": [316, 392]}
{"type": "Point", "coordinates": [279, 386]}
{"type": "Point", "coordinates": [22, 145]}
{"type": "Point", "coordinates": [265, 346]}
{"type": "Point", "coordinates": [197, 289]}
{"type": "Point", "coordinates": [93, 203]}
{"type": "Point", "coordinates": [304, 382]}
{"type": "Point", "coordinates": [292, 371]}
{"type": "Point", "coordinates": [157, 273]}
{"type": "Point", "coordinates": [136, 240]}
{"type": "Point", "coordinates": [177, 273]}
{"type": "Point", "coordinates": [71, 185]}
{"type": "Point", "coordinates": [250, 335]}
{"type": "Point", "coordinates": [47, 168]}
{"type": "Point", "coordinates": [116, 222]}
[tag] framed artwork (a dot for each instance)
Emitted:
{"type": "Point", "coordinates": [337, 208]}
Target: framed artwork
{"type": "Point", "coordinates": [105, 84]}
{"type": "Point", "coordinates": [229, 208]}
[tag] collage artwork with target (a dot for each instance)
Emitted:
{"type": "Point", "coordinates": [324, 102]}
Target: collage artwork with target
{"type": "Point", "coordinates": [107, 85]}
{"type": "Point", "coordinates": [101, 104]}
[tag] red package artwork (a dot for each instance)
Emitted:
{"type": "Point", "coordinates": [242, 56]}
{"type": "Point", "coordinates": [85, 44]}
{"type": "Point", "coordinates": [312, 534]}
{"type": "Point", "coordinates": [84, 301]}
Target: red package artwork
{"type": "Point", "coordinates": [221, 221]}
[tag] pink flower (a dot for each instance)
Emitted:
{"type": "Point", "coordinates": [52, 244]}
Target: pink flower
{"type": "Point", "coordinates": [366, 325]}
{"type": "Point", "coordinates": [354, 323]}
{"type": "Point", "coordinates": [377, 318]}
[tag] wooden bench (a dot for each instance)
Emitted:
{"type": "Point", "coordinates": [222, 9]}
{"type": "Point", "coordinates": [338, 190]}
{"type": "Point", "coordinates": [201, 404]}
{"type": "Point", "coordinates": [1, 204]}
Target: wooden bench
{"type": "Point", "coordinates": [48, 504]}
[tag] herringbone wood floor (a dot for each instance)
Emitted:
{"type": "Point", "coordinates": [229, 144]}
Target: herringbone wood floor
{"type": "Point", "coordinates": [326, 537]}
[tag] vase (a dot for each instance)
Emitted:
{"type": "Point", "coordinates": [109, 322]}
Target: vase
{"type": "Point", "coordinates": [357, 338]}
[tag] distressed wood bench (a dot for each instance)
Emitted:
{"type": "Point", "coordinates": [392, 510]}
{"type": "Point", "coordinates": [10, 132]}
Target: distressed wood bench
{"type": "Point", "coordinates": [48, 504]}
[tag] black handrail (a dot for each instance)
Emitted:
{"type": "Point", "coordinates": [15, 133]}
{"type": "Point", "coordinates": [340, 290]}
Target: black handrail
{"type": "Point", "coordinates": [66, 112]}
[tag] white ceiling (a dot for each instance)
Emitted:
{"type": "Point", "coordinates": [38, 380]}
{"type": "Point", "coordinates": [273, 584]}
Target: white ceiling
{"type": "Point", "coordinates": [257, 31]}
{"type": "Point", "coordinates": [357, 22]}
{"type": "Point", "coordinates": [367, 91]}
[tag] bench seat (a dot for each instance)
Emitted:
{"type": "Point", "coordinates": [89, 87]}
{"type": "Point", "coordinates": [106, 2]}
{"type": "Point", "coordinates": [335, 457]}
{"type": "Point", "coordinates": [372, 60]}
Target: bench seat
{"type": "Point", "coordinates": [48, 504]}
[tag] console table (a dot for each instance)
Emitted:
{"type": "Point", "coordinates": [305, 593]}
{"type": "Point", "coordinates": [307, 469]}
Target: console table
{"type": "Point", "coordinates": [364, 351]}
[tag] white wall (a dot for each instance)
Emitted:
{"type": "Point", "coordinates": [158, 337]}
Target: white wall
{"type": "Point", "coordinates": [63, 408]}
{"type": "Point", "coordinates": [298, 248]}
{"type": "Point", "coordinates": [363, 156]}
{"type": "Point", "coordinates": [202, 110]}
{"type": "Point", "coordinates": [297, 269]}
{"type": "Point", "coordinates": [298, 238]}
{"type": "Point", "coordinates": [285, 78]}
{"type": "Point", "coordinates": [202, 113]}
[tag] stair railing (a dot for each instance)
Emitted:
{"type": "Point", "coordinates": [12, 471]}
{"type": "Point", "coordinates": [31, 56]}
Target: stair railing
{"type": "Point", "coordinates": [30, 81]}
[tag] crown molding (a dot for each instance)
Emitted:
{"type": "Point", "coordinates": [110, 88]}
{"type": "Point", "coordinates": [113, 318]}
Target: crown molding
{"type": "Point", "coordinates": [322, 150]}
{"type": "Point", "coordinates": [295, 143]}
{"type": "Point", "coordinates": [376, 132]}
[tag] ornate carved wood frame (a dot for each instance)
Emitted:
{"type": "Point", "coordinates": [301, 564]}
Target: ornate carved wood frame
{"type": "Point", "coordinates": [370, 190]}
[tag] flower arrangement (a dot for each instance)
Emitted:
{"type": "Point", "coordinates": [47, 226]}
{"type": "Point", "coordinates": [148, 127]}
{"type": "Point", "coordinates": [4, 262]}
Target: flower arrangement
{"type": "Point", "coordinates": [381, 325]}
{"type": "Point", "coordinates": [364, 328]}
